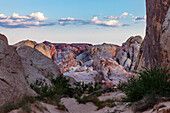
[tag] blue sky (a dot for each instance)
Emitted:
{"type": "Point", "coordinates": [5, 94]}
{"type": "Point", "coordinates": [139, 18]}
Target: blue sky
{"type": "Point", "coordinates": [92, 21]}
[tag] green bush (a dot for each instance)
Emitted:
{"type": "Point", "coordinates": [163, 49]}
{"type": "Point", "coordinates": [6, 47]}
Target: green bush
{"type": "Point", "coordinates": [44, 90]}
{"type": "Point", "coordinates": [59, 86]}
{"type": "Point", "coordinates": [150, 81]}
{"type": "Point", "coordinates": [81, 88]}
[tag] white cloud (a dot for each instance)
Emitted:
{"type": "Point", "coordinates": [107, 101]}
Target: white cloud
{"type": "Point", "coordinates": [17, 21]}
{"type": "Point", "coordinates": [17, 16]}
{"type": "Point", "coordinates": [93, 21]}
{"type": "Point", "coordinates": [34, 16]}
{"type": "Point", "coordinates": [114, 23]}
{"type": "Point", "coordinates": [38, 16]}
{"type": "Point", "coordinates": [2, 16]}
{"type": "Point", "coordinates": [137, 18]}
{"type": "Point", "coordinates": [68, 19]}
{"type": "Point", "coordinates": [123, 15]}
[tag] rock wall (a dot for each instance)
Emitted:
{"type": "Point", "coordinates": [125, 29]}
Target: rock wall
{"type": "Point", "coordinates": [13, 85]}
{"type": "Point", "coordinates": [126, 55]}
{"type": "Point", "coordinates": [155, 49]}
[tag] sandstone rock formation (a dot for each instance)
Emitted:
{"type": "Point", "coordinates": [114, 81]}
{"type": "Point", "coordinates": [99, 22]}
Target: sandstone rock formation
{"type": "Point", "coordinates": [127, 54]}
{"type": "Point", "coordinates": [111, 72]}
{"type": "Point", "coordinates": [25, 43]}
{"type": "Point", "coordinates": [36, 65]}
{"type": "Point", "coordinates": [64, 54]}
{"type": "Point", "coordinates": [39, 46]}
{"type": "Point", "coordinates": [76, 48]}
{"type": "Point", "coordinates": [13, 85]}
{"type": "Point", "coordinates": [4, 38]}
{"type": "Point", "coordinates": [93, 63]}
{"type": "Point", "coordinates": [98, 51]}
{"type": "Point", "coordinates": [155, 49]}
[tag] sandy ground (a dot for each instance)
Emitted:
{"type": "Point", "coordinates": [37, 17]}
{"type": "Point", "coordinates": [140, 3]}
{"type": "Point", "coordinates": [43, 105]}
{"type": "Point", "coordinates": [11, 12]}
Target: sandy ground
{"type": "Point", "coordinates": [74, 107]}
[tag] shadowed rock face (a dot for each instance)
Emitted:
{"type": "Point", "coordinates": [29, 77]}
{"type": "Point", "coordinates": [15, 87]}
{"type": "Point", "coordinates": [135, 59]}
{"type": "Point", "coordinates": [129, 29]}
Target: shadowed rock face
{"type": "Point", "coordinates": [36, 65]}
{"type": "Point", "coordinates": [155, 49]}
{"type": "Point", "coordinates": [13, 85]}
{"type": "Point", "coordinates": [4, 38]}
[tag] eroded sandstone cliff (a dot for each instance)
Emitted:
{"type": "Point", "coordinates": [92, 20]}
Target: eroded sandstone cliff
{"type": "Point", "coordinates": [13, 85]}
{"type": "Point", "coordinates": [155, 49]}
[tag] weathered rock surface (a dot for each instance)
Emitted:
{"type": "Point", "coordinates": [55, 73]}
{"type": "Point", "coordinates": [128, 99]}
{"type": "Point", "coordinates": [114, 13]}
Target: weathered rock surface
{"type": "Point", "coordinates": [87, 65]}
{"type": "Point", "coordinates": [76, 48]}
{"type": "Point", "coordinates": [4, 38]}
{"type": "Point", "coordinates": [25, 43]}
{"type": "Point", "coordinates": [43, 49]}
{"type": "Point", "coordinates": [98, 51]}
{"type": "Point", "coordinates": [155, 49]}
{"type": "Point", "coordinates": [127, 54]}
{"type": "Point", "coordinates": [36, 65]}
{"type": "Point", "coordinates": [64, 54]}
{"type": "Point", "coordinates": [39, 46]}
{"type": "Point", "coordinates": [13, 85]}
{"type": "Point", "coordinates": [111, 72]}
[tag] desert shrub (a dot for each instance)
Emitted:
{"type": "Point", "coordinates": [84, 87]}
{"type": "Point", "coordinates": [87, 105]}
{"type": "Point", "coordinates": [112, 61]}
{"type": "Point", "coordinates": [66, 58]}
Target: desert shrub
{"type": "Point", "coordinates": [59, 86]}
{"type": "Point", "coordinates": [44, 90]}
{"type": "Point", "coordinates": [52, 93]}
{"type": "Point", "coordinates": [81, 88]}
{"type": "Point", "coordinates": [150, 81]}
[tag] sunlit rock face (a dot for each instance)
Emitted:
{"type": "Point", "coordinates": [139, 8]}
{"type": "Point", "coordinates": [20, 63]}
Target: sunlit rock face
{"type": "Point", "coordinates": [39, 46]}
{"type": "Point", "coordinates": [36, 65]}
{"type": "Point", "coordinates": [64, 55]}
{"type": "Point", "coordinates": [155, 49]}
{"type": "Point", "coordinates": [13, 85]}
{"type": "Point", "coordinates": [95, 63]}
{"type": "Point", "coordinates": [111, 72]}
{"type": "Point", "coordinates": [126, 55]}
{"type": "Point", "coordinates": [98, 51]}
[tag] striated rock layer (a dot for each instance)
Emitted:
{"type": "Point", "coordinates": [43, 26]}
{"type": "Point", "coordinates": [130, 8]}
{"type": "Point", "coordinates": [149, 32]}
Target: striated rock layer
{"type": "Point", "coordinates": [155, 49]}
{"type": "Point", "coordinates": [13, 85]}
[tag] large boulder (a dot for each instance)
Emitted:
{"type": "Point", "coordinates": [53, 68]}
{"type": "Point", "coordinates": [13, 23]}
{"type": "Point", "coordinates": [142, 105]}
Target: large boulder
{"type": "Point", "coordinates": [39, 46]}
{"type": "Point", "coordinates": [13, 85]}
{"type": "Point", "coordinates": [126, 55]}
{"type": "Point", "coordinates": [110, 72]}
{"type": "Point", "coordinates": [36, 65]}
{"type": "Point", "coordinates": [155, 49]}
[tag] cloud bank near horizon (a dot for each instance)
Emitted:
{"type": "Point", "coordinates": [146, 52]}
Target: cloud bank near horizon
{"type": "Point", "coordinates": [39, 20]}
